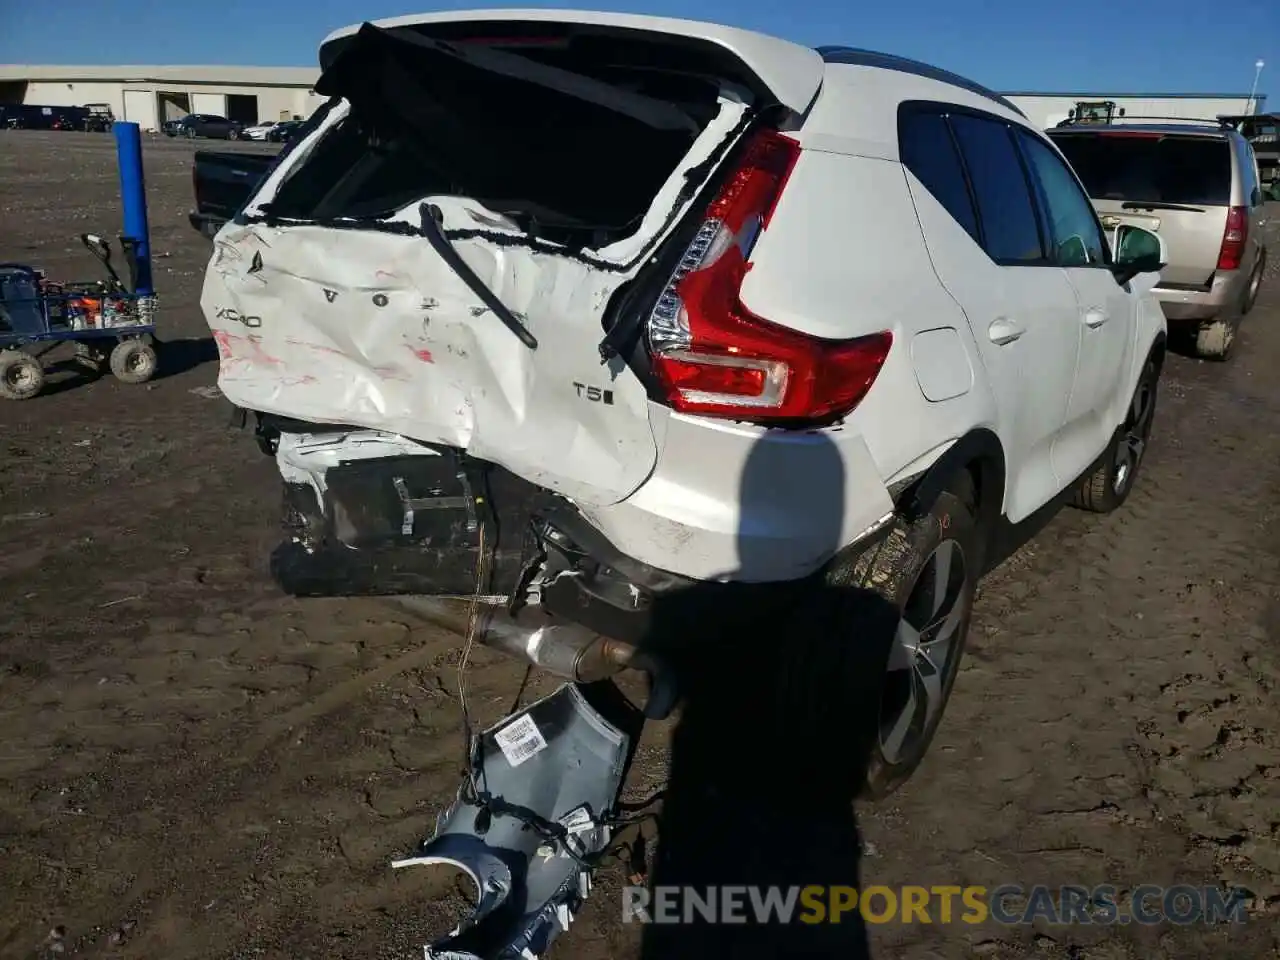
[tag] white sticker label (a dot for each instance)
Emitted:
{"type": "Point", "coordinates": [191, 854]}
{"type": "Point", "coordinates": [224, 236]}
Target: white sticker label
{"type": "Point", "coordinates": [520, 740]}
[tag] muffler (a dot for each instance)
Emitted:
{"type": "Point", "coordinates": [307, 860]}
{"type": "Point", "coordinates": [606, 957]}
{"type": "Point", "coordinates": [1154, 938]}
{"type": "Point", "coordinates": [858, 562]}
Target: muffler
{"type": "Point", "coordinates": [566, 650]}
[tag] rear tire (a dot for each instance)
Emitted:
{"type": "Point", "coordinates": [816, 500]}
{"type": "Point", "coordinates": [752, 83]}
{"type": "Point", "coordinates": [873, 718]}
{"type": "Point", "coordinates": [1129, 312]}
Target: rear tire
{"type": "Point", "coordinates": [1214, 340]}
{"type": "Point", "coordinates": [1109, 485]}
{"type": "Point", "coordinates": [1255, 285]}
{"type": "Point", "coordinates": [21, 375]}
{"type": "Point", "coordinates": [133, 361]}
{"type": "Point", "coordinates": [928, 571]}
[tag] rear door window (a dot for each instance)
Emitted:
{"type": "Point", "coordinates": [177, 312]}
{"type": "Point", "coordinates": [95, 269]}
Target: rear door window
{"type": "Point", "coordinates": [1009, 228]}
{"type": "Point", "coordinates": [1162, 168]}
{"type": "Point", "coordinates": [927, 150]}
{"type": "Point", "coordinates": [1075, 238]}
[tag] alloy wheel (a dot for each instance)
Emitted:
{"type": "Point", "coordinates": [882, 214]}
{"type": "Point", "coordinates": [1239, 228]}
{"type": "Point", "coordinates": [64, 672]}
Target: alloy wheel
{"type": "Point", "coordinates": [1137, 429]}
{"type": "Point", "coordinates": [927, 641]}
{"type": "Point", "coordinates": [1255, 283]}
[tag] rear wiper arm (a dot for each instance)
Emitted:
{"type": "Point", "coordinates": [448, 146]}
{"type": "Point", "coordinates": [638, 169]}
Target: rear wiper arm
{"type": "Point", "coordinates": [434, 233]}
{"type": "Point", "coordinates": [1158, 205]}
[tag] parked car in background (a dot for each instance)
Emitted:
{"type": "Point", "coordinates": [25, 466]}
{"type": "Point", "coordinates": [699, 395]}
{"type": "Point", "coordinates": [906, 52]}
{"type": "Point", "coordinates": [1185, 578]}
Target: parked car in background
{"type": "Point", "coordinates": [99, 119]}
{"type": "Point", "coordinates": [171, 128]}
{"type": "Point", "coordinates": [223, 182]}
{"type": "Point", "coordinates": [284, 130]}
{"type": "Point", "coordinates": [1262, 130]}
{"type": "Point", "coordinates": [661, 369]}
{"type": "Point", "coordinates": [208, 125]}
{"type": "Point", "coordinates": [1197, 186]}
{"type": "Point", "coordinates": [259, 130]}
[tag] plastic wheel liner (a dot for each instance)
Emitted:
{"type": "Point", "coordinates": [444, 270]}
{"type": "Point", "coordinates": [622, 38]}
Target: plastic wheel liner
{"type": "Point", "coordinates": [528, 825]}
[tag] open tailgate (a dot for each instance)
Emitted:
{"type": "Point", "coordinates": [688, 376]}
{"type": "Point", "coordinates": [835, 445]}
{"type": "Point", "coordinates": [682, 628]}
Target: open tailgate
{"type": "Point", "coordinates": [787, 72]}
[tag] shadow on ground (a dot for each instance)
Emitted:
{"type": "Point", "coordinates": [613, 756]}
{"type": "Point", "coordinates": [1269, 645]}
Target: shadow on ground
{"type": "Point", "coordinates": [179, 356]}
{"type": "Point", "coordinates": [773, 739]}
{"type": "Point", "coordinates": [64, 373]}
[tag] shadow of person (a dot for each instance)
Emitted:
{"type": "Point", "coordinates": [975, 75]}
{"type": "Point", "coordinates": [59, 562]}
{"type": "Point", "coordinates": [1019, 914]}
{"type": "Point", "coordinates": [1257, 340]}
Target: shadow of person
{"type": "Point", "coordinates": [179, 356]}
{"type": "Point", "coordinates": [777, 720]}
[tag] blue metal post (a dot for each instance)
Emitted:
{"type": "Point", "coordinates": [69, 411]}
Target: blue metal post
{"type": "Point", "coordinates": [133, 195]}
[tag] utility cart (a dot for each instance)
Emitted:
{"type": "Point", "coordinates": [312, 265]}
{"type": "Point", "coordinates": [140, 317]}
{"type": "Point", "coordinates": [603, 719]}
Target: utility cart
{"type": "Point", "coordinates": [111, 321]}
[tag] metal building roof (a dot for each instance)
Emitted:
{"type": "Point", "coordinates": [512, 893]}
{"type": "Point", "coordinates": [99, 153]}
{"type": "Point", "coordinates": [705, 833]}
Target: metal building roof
{"type": "Point", "coordinates": [238, 76]}
{"type": "Point", "coordinates": [1259, 97]}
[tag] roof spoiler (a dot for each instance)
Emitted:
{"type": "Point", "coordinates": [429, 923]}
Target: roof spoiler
{"type": "Point", "coordinates": [888, 61]}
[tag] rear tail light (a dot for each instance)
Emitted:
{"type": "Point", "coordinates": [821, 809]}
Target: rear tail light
{"type": "Point", "coordinates": [715, 358]}
{"type": "Point", "coordinates": [1233, 239]}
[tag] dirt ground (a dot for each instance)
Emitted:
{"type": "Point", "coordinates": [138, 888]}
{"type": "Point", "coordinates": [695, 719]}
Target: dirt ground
{"type": "Point", "coordinates": [192, 765]}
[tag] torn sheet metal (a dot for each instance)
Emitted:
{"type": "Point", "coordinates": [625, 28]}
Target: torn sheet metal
{"type": "Point", "coordinates": [371, 327]}
{"type": "Point", "coordinates": [563, 761]}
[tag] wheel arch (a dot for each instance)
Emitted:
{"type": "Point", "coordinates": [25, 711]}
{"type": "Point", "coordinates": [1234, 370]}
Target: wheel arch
{"type": "Point", "coordinates": [978, 453]}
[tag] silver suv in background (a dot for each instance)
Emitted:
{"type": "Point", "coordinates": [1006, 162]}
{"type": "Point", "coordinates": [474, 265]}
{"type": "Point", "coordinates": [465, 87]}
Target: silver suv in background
{"type": "Point", "coordinates": [1197, 186]}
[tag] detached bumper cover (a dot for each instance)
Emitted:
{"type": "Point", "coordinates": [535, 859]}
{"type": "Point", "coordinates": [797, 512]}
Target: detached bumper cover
{"type": "Point", "coordinates": [560, 764]}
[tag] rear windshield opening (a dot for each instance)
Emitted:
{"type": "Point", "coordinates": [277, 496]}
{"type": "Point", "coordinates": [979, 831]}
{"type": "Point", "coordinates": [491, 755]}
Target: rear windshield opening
{"type": "Point", "coordinates": [562, 165]}
{"type": "Point", "coordinates": [1161, 169]}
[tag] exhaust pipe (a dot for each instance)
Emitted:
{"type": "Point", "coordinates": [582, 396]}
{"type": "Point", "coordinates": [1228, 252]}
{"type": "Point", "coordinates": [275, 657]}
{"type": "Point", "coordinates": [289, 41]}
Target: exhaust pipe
{"type": "Point", "coordinates": [567, 650]}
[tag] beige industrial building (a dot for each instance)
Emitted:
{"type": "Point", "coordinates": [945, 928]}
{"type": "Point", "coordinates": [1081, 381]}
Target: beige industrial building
{"type": "Point", "coordinates": [148, 96]}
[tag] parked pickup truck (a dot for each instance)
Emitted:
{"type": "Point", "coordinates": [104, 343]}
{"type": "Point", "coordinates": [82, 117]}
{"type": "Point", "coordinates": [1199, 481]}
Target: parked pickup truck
{"type": "Point", "coordinates": [223, 182]}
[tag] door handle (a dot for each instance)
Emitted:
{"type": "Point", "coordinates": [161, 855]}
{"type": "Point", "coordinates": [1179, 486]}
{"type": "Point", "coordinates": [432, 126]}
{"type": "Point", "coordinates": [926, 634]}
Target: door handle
{"type": "Point", "coordinates": [1003, 330]}
{"type": "Point", "coordinates": [1095, 318]}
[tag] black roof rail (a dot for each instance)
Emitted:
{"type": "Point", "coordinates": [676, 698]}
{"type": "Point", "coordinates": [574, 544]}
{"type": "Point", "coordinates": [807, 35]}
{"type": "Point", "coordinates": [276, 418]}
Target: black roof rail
{"type": "Point", "coordinates": [1215, 122]}
{"type": "Point", "coordinates": [1127, 118]}
{"type": "Point", "coordinates": [888, 61]}
{"type": "Point", "coordinates": [1235, 120]}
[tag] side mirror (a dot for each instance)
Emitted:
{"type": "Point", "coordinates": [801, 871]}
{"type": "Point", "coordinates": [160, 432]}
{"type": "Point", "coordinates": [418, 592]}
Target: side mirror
{"type": "Point", "coordinates": [1137, 251]}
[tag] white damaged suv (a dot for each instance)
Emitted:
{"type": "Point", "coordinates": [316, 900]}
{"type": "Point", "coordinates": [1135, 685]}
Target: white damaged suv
{"type": "Point", "coordinates": [613, 306]}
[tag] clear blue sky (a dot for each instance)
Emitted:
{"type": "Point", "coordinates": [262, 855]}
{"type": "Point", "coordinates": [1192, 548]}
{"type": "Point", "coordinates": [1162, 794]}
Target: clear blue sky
{"type": "Point", "coordinates": [1140, 45]}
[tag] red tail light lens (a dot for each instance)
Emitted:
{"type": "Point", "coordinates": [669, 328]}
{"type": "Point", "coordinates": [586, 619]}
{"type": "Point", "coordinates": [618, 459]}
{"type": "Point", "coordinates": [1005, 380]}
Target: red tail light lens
{"type": "Point", "coordinates": [1233, 239]}
{"type": "Point", "coordinates": [715, 358]}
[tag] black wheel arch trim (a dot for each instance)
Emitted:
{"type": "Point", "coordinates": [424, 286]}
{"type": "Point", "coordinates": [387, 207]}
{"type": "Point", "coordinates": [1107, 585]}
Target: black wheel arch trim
{"type": "Point", "coordinates": [978, 448]}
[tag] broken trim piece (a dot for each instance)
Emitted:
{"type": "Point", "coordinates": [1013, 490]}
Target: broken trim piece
{"type": "Point", "coordinates": [532, 835]}
{"type": "Point", "coordinates": [491, 877]}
